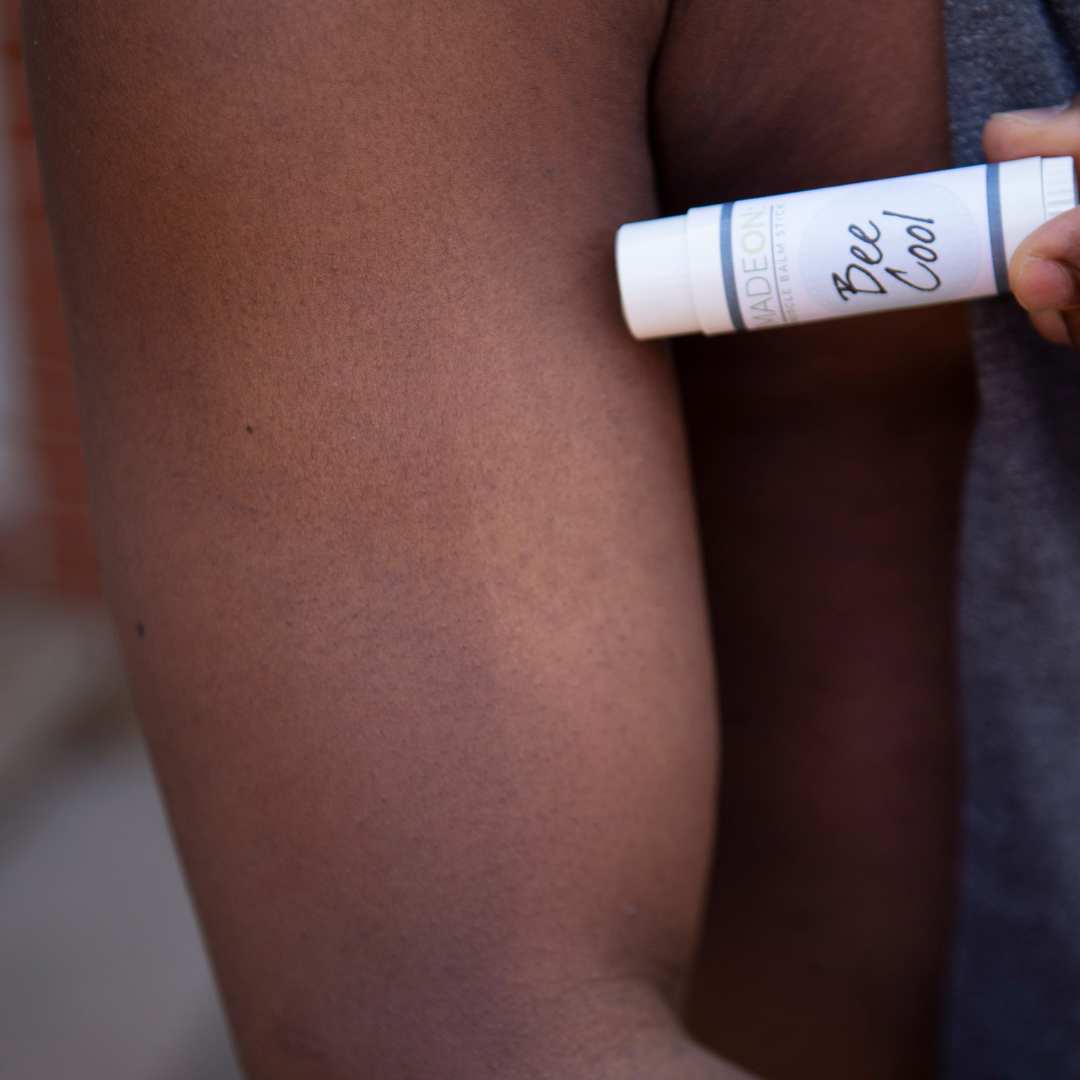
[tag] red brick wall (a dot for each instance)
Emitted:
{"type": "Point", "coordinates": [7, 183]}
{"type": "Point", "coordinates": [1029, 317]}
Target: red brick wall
{"type": "Point", "coordinates": [52, 548]}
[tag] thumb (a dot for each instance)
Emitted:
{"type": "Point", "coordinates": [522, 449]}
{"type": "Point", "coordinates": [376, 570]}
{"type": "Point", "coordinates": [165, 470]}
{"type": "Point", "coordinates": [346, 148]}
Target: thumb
{"type": "Point", "coordinates": [1044, 273]}
{"type": "Point", "coordinates": [1044, 276]}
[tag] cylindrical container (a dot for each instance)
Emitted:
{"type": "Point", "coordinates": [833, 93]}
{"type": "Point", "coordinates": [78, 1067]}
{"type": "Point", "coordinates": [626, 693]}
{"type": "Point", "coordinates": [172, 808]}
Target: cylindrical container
{"type": "Point", "coordinates": [850, 250]}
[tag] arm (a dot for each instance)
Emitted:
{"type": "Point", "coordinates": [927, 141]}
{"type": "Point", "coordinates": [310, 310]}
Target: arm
{"type": "Point", "coordinates": [394, 518]}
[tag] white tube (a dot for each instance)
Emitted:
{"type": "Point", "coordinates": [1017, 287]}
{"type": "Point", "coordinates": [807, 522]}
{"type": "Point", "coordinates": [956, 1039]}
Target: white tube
{"type": "Point", "coordinates": [851, 250]}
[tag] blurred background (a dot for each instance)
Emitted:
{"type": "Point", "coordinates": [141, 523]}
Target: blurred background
{"type": "Point", "coordinates": [102, 972]}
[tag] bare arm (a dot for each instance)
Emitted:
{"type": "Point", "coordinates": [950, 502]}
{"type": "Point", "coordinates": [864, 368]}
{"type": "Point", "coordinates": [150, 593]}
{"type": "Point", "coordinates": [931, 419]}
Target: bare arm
{"type": "Point", "coordinates": [394, 518]}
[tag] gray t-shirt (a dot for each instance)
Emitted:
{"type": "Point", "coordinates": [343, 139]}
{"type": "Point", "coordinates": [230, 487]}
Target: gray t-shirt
{"type": "Point", "coordinates": [1013, 1008]}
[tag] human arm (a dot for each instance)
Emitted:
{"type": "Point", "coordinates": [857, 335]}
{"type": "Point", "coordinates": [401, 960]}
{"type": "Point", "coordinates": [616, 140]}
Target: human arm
{"type": "Point", "coordinates": [394, 518]}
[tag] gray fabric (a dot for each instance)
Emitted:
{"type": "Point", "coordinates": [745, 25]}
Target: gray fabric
{"type": "Point", "coordinates": [1014, 1001]}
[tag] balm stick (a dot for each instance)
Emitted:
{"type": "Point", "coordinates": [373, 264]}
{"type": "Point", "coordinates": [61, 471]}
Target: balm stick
{"type": "Point", "coordinates": [932, 238]}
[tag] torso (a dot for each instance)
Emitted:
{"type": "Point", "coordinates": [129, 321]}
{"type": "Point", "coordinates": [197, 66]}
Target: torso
{"type": "Point", "coordinates": [828, 460]}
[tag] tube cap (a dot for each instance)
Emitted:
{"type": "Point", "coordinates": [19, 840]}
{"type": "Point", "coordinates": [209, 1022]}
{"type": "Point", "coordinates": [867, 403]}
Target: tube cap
{"type": "Point", "coordinates": [1033, 190]}
{"type": "Point", "coordinates": [1059, 185]}
{"type": "Point", "coordinates": [653, 265]}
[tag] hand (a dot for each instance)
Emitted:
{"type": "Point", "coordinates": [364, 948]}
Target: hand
{"type": "Point", "coordinates": [1044, 273]}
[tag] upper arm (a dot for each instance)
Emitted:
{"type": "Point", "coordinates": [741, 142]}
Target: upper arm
{"type": "Point", "coordinates": [393, 514]}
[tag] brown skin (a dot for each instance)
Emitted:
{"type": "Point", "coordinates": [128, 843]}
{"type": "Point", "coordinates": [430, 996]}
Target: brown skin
{"type": "Point", "coordinates": [395, 518]}
{"type": "Point", "coordinates": [829, 462]}
{"type": "Point", "coordinates": [399, 530]}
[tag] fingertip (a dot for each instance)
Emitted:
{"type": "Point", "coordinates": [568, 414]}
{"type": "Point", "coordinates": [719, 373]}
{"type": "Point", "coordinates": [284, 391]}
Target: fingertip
{"type": "Point", "coordinates": [1004, 137]}
{"type": "Point", "coordinates": [1048, 131]}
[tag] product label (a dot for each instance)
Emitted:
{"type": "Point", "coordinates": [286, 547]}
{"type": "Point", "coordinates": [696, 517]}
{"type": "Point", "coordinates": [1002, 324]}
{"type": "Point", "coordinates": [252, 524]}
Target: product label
{"type": "Point", "coordinates": [859, 249]}
{"type": "Point", "coordinates": [913, 245]}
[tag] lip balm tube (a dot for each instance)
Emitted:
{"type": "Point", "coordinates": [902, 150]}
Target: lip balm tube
{"type": "Point", "coordinates": [910, 241]}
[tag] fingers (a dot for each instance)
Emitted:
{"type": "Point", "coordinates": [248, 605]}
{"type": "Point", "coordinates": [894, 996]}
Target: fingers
{"type": "Point", "coordinates": [1046, 132]}
{"type": "Point", "coordinates": [1044, 276]}
{"type": "Point", "coordinates": [1045, 270]}
{"type": "Point", "coordinates": [1044, 273]}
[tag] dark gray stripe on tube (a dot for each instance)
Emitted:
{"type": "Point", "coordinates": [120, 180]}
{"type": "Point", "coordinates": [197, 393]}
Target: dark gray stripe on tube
{"type": "Point", "coordinates": [728, 264]}
{"type": "Point", "coordinates": [997, 230]}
